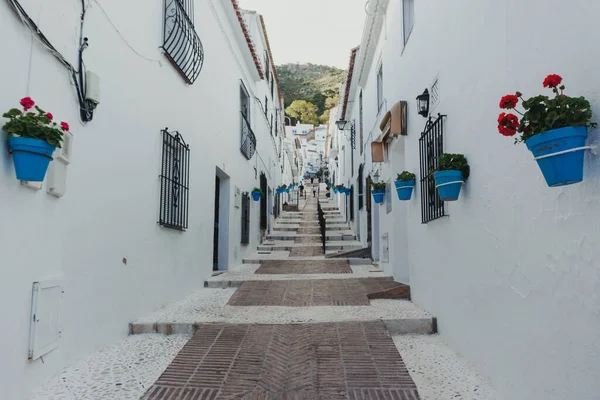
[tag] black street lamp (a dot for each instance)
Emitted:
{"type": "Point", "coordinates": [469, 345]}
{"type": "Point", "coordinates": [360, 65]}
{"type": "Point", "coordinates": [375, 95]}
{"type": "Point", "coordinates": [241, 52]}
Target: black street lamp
{"type": "Point", "coordinates": [423, 104]}
{"type": "Point", "coordinates": [342, 124]}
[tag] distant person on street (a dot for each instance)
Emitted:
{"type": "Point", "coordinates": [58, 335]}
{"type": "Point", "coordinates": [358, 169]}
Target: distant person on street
{"type": "Point", "coordinates": [314, 192]}
{"type": "Point", "coordinates": [301, 189]}
{"type": "Point", "coordinates": [312, 180]}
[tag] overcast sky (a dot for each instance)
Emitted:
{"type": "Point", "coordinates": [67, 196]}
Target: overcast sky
{"type": "Point", "coordinates": [315, 31]}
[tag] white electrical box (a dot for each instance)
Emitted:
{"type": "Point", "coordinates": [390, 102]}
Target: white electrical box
{"type": "Point", "coordinates": [92, 87]}
{"type": "Point", "coordinates": [44, 332]}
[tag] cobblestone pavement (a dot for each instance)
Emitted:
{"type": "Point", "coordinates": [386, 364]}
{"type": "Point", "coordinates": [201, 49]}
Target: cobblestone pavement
{"type": "Point", "coordinates": [305, 267]}
{"type": "Point", "coordinates": [311, 361]}
{"type": "Point", "coordinates": [331, 360]}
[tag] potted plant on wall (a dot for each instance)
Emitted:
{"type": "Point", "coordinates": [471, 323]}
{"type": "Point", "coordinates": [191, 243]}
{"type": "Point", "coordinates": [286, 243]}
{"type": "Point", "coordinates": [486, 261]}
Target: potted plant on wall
{"type": "Point", "coordinates": [281, 189]}
{"type": "Point", "coordinates": [32, 139]}
{"type": "Point", "coordinates": [405, 182]}
{"type": "Point", "coordinates": [452, 171]}
{"type": "Point", "coordinates": [554, 130]}
{"type": "Point", "coordinates": [256, 194]}
{"type": "Point", "coordinates": [378, 191]}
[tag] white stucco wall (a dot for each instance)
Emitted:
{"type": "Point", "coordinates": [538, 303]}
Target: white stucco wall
{"type": "Point", "coordinates": [110, 210]}
{"type": "Point", "coordinates": [512, 273]}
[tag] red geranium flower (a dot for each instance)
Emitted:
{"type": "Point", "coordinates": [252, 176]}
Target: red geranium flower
{"type": "Point", "coordinates": [64, 126]}
{"type": "Point", "coordinates": [508, 124]}
{"type": "Point", "coordinates": [27, 103]}
{"type": "Point", "coordinates": [552, 81]}
{"type": "Point", "coordinates": [49, 115]}
{"type": "Point", "coordinates": [509, 101]}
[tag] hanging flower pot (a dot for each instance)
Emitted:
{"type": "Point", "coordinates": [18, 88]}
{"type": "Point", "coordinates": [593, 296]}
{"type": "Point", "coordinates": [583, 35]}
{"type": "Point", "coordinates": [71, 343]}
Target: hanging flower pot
{"type": "Point", "coordinates": [32, 138]}
{"type": "Point", "coordinates": [347, 191]}
{"type": "Point", "coordinates": [256, 194]}
{"type": "Point", "coordinates": [378, 195]}
{"type": "Point", "coordinates": [405, 184]}
{"type": "Point", "coordinates": [336, 190]}
{"type": "Point", "coordinates": [31, 158]}
{"type": "Point", "coordinates": [378, 191]}
{"type": "Point", "coordinates": [452, 171]}
{"type": "Point", "coordinates": [554, 130]}
{"type": "Point", "coordinates": [559, 154]}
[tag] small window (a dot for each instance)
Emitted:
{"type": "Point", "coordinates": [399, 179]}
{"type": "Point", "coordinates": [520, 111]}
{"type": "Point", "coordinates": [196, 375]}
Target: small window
{"type": "Point", "coordinates": [272, 87]}
{"type": "Point", "coordinates": [408, 18]}
{"type": "Point", "coordinates": [247, 138]}
{"type": "Point", "coordinates": [267, 65]}
{"type": "Point", "coordinates": [380, 88]}
{"type": "Point", "coordinates": [174, 181]}
{"type": "Point", "coordinates": [361, 124]}
{"type": "Point", "coordinates": [245, 218]}
{"type": "Point", "coordinates": [271, 124]}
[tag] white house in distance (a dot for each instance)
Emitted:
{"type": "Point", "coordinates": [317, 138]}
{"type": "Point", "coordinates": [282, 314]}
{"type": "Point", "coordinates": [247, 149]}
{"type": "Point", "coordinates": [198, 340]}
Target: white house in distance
{"type": "Point", "coordinates": [118, 228]}
{"type": "Point", "coordinates": [510, 270]}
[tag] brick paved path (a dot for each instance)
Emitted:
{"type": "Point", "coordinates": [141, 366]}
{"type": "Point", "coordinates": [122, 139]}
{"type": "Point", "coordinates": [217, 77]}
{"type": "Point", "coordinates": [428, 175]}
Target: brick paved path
{"type": "Point", "coordinates": [311, 361]}
{"type": "Point", "coordinates": [329, 361]}
{"type": "Point", "coordinates": [302, 293]}
{"type": "Point", "coordinates": [305, 267]}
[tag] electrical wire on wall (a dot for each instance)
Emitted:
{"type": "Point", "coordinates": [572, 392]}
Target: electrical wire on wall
{"type": "Point", "coordinates": [86, 106]}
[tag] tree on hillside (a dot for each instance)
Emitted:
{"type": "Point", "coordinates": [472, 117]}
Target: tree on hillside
{"type": "Point", "coordinates": [324, 118]}
{"type": "Point", "coordinates": [304, 111]}
{"type": "Point", "coordinates": [332, 101]}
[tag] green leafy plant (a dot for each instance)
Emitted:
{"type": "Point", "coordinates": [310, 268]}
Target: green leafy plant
{"type": "Point", "coordinates": [257, 190]}
{"type": "Point", "coordinates": [283, 187]}
{"type": "Point", "coordinates": [454, 162]}
{"type": "Point", "coordinates": [543, 113]}
{"type": "Point", "coordinates": [406, 176]}
{"type": "Point", "coordinates": [34, 125]}
{"type": "Point", "coordinates": [378, 185]}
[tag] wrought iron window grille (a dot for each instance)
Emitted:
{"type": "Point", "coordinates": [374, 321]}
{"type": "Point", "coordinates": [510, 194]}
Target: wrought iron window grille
{"type": "Point", "coordinates": [174, 181]}
{"type": "Point", "coordinates": [431, 147]}
{"type": "Point", "coordinates": [248, 139]}
{"type": "Point", "coordinates": [245, 218]}
{"type": "Point", "coordinates": [182, 46]}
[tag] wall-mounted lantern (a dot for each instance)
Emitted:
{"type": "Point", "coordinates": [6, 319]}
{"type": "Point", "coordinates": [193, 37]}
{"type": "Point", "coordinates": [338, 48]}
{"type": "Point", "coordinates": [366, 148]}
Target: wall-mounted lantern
{"type": "Point", "coordinates": [423, 104]}
{"type": "Point", "coordinates": [342, 124]}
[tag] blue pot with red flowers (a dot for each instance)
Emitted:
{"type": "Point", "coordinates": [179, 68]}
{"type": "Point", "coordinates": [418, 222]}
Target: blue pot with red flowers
{"type": "Point", "coordinates": [256, 194]}
{"type": "Point", "coordinates": [32, 139]}
{"type": "Point", "coordinates": [554, 129]}
{"type": "Point", "coordinates": [559, 154]}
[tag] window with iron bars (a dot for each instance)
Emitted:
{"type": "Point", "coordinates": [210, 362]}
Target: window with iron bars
{"type": "Point", "coordinates": [174, 181]}
{"type": "Point", "coordinates": [245, 218]}
{"type": "Point", "coordinates": [431, 147]}
{"type": "Point", "coordinates": [181, 43]}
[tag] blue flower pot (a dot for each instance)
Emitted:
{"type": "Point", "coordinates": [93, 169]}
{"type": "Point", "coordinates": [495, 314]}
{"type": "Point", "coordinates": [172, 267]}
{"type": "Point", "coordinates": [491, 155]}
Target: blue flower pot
{"type": "Point", "coordinates": [448, 184]}
{"type": "Point", "coordinates": [404, 189]}
{"type": "Point", "coordinates": [378, 195]}
{"type": "Point", "coordinates": [335, 190]}
{"type": "Point", "coordinates": [256, 196]}
{"type": "Point", "coordinates": [560, 169]}
{"type": "Point", "coordinates": [31, 157]}
{"type": "Point", "coordinates": [280, 190]}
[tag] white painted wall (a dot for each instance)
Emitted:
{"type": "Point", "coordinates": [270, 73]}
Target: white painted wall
{"type": "Point", "coordinates": [511, 274]}
{"type": "Point", "coordinates": [111, 206]}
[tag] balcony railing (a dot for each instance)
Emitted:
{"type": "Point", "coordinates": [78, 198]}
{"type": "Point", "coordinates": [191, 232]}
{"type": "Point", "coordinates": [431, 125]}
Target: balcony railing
{"type": "Point", "coordinates": [182, 45]}
{"type": "Point", "coordinates": [248, 140]}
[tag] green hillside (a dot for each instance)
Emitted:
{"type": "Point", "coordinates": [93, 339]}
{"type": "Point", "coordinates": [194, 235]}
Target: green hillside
{"type": "Point", "coordinates": [310, 82]}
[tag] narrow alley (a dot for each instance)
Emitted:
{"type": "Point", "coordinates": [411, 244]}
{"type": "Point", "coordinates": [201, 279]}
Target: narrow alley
{"type": "Point", "coordinates": [313, 199]}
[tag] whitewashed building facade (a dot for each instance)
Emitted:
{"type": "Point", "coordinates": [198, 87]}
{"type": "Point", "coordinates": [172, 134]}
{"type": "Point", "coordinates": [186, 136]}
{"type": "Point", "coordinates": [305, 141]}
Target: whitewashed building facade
{"type": "Point", "coordinates": [510, 269]}
{"type": "Point", "coordinates": [97, 236]}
